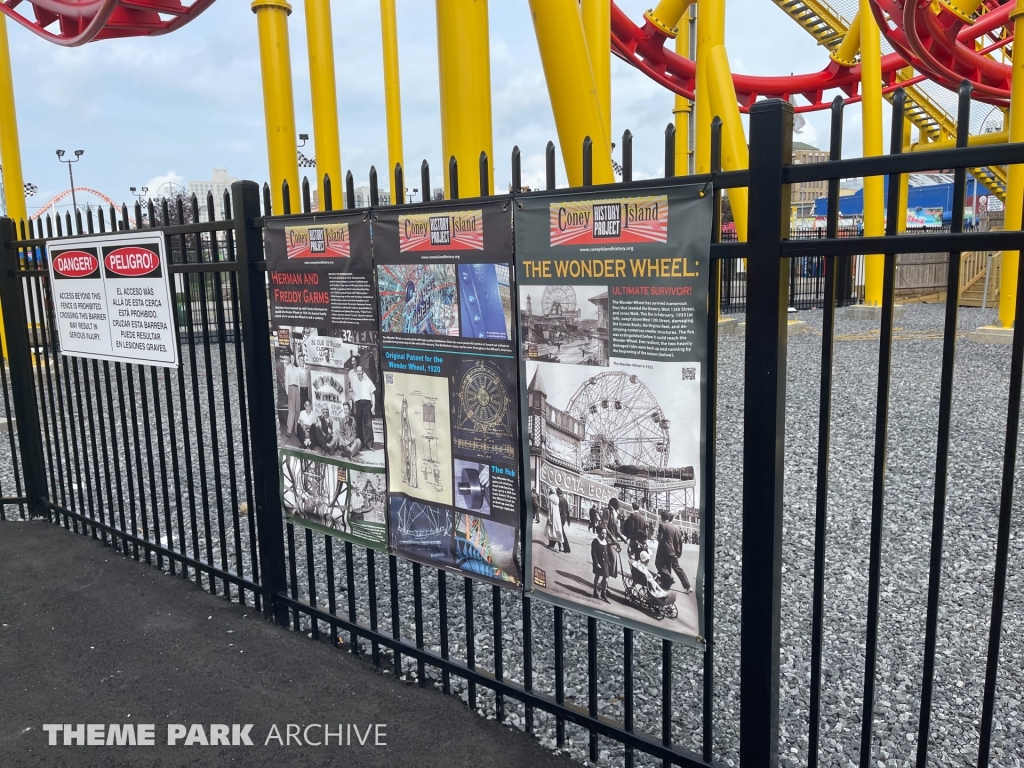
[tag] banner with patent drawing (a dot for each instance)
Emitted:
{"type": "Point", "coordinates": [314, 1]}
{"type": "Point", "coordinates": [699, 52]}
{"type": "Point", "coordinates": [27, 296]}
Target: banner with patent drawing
{"type": "Point", "coordinates": [446, 291]}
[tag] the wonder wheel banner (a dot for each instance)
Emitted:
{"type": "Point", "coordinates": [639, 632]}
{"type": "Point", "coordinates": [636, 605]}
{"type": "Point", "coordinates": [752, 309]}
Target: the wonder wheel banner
{"type": "Point", "coordinates": [613, 314]}
{"type": "Point", "coordinates": [445, 286]}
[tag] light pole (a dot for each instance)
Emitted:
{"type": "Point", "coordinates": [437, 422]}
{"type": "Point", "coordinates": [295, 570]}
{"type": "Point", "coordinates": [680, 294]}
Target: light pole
{"type": "Point", "coordinates": [139, 195]}
{"type": "Point", "coordinates": [71, 175]}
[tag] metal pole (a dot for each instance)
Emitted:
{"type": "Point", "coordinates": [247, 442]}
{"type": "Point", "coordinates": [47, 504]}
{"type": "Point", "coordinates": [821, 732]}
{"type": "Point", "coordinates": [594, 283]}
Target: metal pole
{"type": "Point", "coordinates": [10, 148]}
{"type": "Point", "coordinates": [597, 26]}
{"type": "Point", "coordinates": [1015, 183]}
{"type": "Point", "coordinates": [71, 179]}
{"type": "Point", "coordinates": [19, 358]}
{"type": "Point", "coordinates": [571, 86]}
{"type": "Point", "coordinates": [710, 33]}
{"type": "Point", "coordinates": [988, 272]}
{"type": "Point", "coordinates": [252, 300]}
{"type": "Point", "coordinates": [683, 106]}
{"type": "Point", "coordinates": [464, 70]}
{"type": "Point", "coordinates": [735, 156]}
{"type": "Point", "coordinates": [764, 433]}
{"type": "Point", "coordinates": [871, 110]}
{"type": "Point", "coordinates": [392, 90]}
{"type": "Point", "coordinates": [278, 105]}
{"type": "Point", "coordinates": [320, 43]}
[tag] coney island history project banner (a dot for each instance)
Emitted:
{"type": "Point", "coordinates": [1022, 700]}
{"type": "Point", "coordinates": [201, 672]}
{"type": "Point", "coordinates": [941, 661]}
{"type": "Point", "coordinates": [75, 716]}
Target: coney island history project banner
{"type": "Point", "coordinates": [445, 287]}
{"type": "Point", "coordinates": [613, 290]}
{"type": "Point", "coordinates": [327, 369]}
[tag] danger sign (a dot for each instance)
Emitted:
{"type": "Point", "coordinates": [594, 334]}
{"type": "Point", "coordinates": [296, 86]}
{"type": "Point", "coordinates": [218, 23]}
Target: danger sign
{"type": "Point", "coordinates": [113, 300]}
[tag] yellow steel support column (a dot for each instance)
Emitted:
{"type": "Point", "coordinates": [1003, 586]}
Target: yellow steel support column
{"type": "Point", "coordinates": [558, 25]}
{"type": "Point", "coordinates": [962, 8]}
{"type": "Point", "coordinates": [597, 24]}
{"type": "Point", "coordinates": [1015, 186]}
{"type": "Point", "coordinates": [871, 110]}
{"type": "Point", "coordinates": [10, 148]}
{"type": "Point", "coordinates": [901, 225]}
{"type": "Point", "coordinates": [846, 52]}
{"type": "Point", "coordinates": [683, 106]}
{"type": "Point", "coordinates": [464, 67]}
{"type": "Point", "coordinates": [278, 105]}
{"type": "Point", "coordinates": [710, 33]}
{"type": "Point", "coordinates": [319, 40]}
{"type": "Point", "coordinates": [392, 89]}
{"type": "Point", "coordinates": [734, 143]}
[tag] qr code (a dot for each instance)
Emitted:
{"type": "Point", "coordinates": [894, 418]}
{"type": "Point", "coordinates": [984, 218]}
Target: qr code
{"type": "Point", "coordinates": [689, 373]}
{"type": "Point", "coordinates": [389, 378]}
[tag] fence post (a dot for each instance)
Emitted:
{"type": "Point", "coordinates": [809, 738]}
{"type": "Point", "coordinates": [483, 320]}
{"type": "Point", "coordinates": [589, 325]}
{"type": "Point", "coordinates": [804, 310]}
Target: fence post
{"type": "Point", "coordinates": [764, 428]}
{"type": "Point", "coordinates": [259, 382]}
{"type": "Point", "coordinates": [19, 361]}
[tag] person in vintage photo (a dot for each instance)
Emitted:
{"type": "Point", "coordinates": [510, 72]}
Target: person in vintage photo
{"type": "Point", "coordinates": [604, 559]}
{"type": "Point", "coordinates": [554, 530]}
{"type": "Point", "coordinates": [610, 520]}
{"type": "Point", "coordinates": [281, 362]}
{"type": "Point", "coordinates": [292, 379]}
{"type": "Point", "coordinates": [326, 435]}
{"type": "Point", "coordinates": [670, 547]}
{"type": "Point", "coordinates": [303, 378]}
{"type": "Point", "coordinates": [592, 526]}
{"type": "Point", "coordinates": [307, 427]}
{"type": "Point", "coordinates": [535, 502]}
{"type": "Point", "coordinates": [563, 515]}
{"type": "Point", "coordinates": [349, 443]}
{"type": "Point", "coordinates": [363, 390]}
{"type": "Point", "coordinates": [641, 572]}
{"type": "Point", "coordinates": [636, 530]}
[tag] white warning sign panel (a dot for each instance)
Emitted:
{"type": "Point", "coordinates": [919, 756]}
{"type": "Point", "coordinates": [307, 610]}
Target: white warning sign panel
{"type": "Point", "coordinates": [112, 298]}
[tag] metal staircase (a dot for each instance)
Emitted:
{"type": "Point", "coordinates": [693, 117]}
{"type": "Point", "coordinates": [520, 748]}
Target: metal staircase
{"type": "Point", "coordinates": [827, 26]}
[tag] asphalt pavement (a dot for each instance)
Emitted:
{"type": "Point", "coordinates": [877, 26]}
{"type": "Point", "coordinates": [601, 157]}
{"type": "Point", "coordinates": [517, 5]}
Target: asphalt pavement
{"type": "Point", "coordinates": [91, 637]}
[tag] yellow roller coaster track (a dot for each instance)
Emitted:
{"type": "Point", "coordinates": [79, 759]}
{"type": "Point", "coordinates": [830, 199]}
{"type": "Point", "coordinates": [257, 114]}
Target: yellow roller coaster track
{"type": "Point", "coordinates": [827, 26]}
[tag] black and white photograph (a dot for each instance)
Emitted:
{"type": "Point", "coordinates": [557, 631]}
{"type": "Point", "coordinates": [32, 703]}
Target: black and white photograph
{"type": "Point", "coordinates": [328, 402]}
{"type": "Point", "coordinates": [564, 323]}
{"type": "Point", "coordinates": [615, 515]}
{"type": "Point", "coordinates": [367, 496]}
{"type": "Point", "coordinates": [315, 492]}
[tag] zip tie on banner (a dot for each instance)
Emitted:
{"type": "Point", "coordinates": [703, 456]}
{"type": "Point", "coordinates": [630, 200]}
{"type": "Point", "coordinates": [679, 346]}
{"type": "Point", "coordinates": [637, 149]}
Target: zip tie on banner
{"type": "Point", "coordinates": [704, 189]}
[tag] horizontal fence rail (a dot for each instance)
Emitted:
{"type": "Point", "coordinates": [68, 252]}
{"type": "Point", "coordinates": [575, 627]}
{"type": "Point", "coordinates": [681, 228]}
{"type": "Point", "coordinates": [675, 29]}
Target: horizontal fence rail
{"type": "Point", "coordinates": [180, 468]}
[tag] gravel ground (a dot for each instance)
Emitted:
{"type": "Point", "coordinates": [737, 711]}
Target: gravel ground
{"type": "Point", "coordinates": [978, 428]}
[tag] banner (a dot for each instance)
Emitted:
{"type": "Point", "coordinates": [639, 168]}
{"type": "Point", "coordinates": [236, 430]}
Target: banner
{"type": "Point", "coordinates": [327, 368]}
{"type": "Point", "coordinates": [112, 298]}
{"type": "Point", "coordinates": [448, 346]}
{"type": "Point", "coordinates": [613, 321]}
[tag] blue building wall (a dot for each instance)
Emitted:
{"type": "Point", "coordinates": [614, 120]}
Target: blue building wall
{"type": "Point", "coordinates": [931, 196]}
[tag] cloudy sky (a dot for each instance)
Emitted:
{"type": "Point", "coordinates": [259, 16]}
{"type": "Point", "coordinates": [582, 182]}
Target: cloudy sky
{"type": "Point", "coordinates": [174, 107]}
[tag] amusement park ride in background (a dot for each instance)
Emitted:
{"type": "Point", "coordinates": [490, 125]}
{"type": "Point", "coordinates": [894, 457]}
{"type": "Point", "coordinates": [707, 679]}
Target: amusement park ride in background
{"type": "Point", "coordinates": [938, 41]}
{"type": "Point", "coordinates": [927, 49]}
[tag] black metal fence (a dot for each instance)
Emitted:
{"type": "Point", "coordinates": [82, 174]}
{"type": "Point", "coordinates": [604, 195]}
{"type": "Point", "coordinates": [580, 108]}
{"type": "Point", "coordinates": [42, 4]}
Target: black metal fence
{"type": "Point", "coordinates": [180, 468]}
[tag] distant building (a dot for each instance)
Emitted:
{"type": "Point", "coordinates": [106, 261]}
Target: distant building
{"type": "Point", "coordinates": [804, 193]}
{"type": "Point", "coordinates": [363, 197]}
{"type": "Point", "coordinates": [218, 185]}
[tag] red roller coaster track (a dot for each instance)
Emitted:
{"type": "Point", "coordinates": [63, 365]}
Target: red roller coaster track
{"type": "Point", "coordinates": [76, 22]}
{"type": "Point", "coordinates": [939, 44]}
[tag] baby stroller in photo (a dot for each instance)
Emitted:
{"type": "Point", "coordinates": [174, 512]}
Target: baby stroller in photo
{"type": "Point", "coordinates": [641, 595]}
